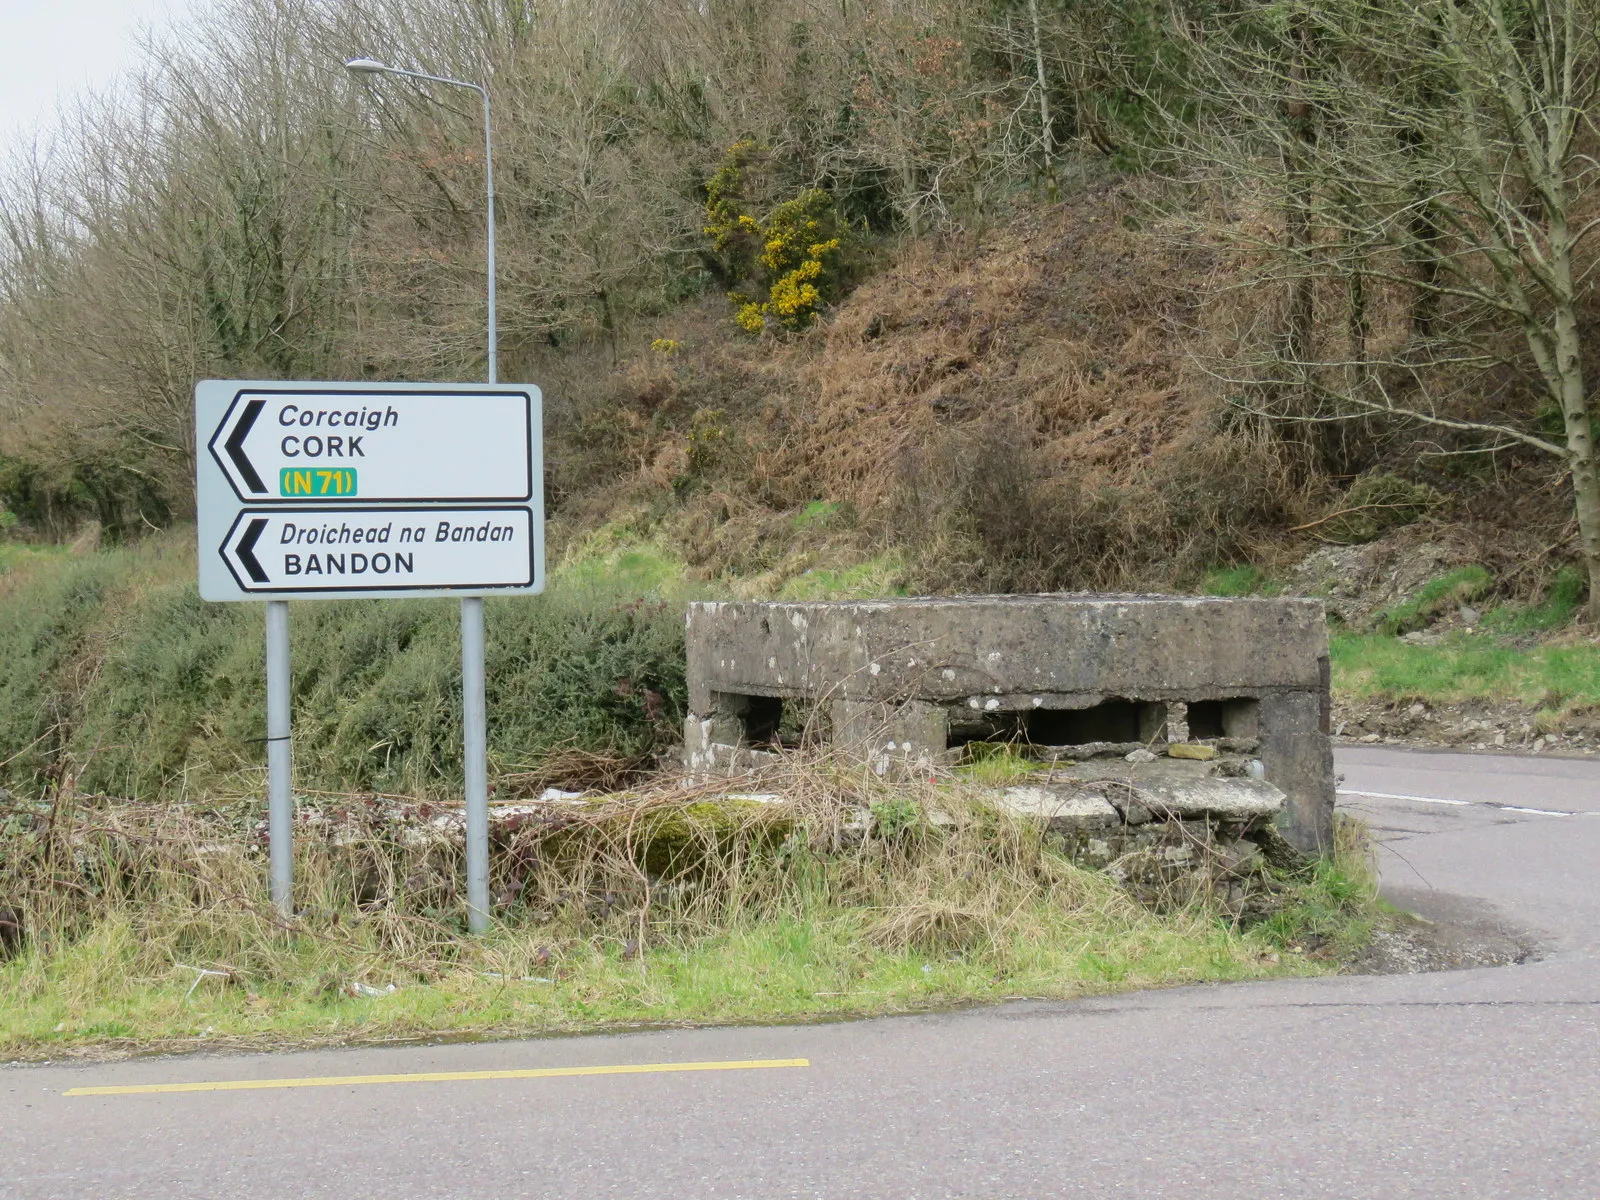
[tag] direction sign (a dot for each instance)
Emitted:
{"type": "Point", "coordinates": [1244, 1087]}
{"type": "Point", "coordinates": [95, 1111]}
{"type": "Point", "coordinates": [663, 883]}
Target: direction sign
{"type": "Point", "coordinates": [355, 489]}
{"type": "Point", "coordinates": [346, 444]}
{"type": "Point", "coordinates": [380, 549]}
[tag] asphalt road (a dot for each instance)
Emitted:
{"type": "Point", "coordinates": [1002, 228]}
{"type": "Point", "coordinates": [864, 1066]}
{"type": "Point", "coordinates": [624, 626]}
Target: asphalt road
{"type": "Point", "coordinates": [1469, 1083]}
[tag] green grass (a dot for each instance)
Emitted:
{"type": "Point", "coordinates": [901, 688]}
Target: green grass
{"type": "Point", "coordinates": [991, 764]}
{"type": "Point", "coordinates": [878, 576]}
{"type": "Point", "coordinates": [758, 971]}
{"type": "Point", "coordinates": [824, 514]}
{"type": "Point", "coordinates": [1242, 580]}
{"type": "Point", "coordinates": [1464, 667]}
{"type": "Point", "coordinates": [898, 931]}
{"type": "Point", "coordinates": [19, 556]}
{"type": "Point", "coordinates": [1435, 597]}
{"type": "Point", "coordinates": [1334, 908]}
{"type": "Point", "coordinates": [640, 568]}
{"type": "Point", "coordinates": [1483, 665]}
{"type": "Point", "coordinates": [1561, 602]}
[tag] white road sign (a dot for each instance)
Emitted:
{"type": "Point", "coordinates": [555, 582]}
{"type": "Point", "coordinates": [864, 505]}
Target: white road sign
{"type": "Point", "coordinates": [372, 549]}
{"type": "Point", "coordinates": [356, 489]}
{"type": "Point", "coordinates": [339, 444]}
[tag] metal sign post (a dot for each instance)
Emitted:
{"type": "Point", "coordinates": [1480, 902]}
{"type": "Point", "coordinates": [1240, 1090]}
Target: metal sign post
{"type": "Point", "coordinates": [280, 799]}
{"type": "Point", "coordinates": [475, 762]}
{"type": "Point", "coordinates": [349, 490]}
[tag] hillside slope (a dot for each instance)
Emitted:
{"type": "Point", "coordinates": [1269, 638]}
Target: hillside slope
{"type": "Point", "coordinates": [1028, 407]}
{"type": "Point", "coordinates": [1022, 408]}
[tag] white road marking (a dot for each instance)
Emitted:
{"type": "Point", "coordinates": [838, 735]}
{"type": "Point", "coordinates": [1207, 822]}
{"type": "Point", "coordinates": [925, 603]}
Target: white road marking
{"type": "Point", "coordinates": [1538, 812]}
{"type": "Point", "coordinates": [1396, 796]}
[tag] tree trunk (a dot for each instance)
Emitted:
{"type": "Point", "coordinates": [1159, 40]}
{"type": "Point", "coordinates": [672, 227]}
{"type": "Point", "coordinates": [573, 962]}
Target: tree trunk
{"type": "Point", "coordinates": [1297, 151]}
{"type": "Point", "coordinates": [1424, 251]}
{"type": "Point", "coordinates": [1580, 446]}
{"type": "Point", "coordinates": [1586, 498]}
{"type": "Point", "coordinates": [1302, 316]}
{"type": "Point", "coordinates": [1047, 133]}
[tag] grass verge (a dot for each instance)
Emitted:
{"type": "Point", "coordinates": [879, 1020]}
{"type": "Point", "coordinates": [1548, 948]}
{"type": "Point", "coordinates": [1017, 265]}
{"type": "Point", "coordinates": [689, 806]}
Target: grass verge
{"type": "Point", "coordinates": [1499, 660]}
{"type": "Point", "coordinates": [1437, 596]}
{"type": "Point", "coordinates": [146, 927]}
{"type": "Point", "coordinates": [1465, 667]}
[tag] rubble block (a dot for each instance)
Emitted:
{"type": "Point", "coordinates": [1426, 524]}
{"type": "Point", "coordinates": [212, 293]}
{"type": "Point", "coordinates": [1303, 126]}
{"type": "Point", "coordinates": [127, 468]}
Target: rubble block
{"type": "Point", "coordinates": [1242, 683]}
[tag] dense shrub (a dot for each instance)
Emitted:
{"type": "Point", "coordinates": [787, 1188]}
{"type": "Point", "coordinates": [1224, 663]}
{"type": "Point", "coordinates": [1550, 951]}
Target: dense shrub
{"type": "Point", "coordinates": [116, 672]}
{"type": "Point", "coordinates": [46, 627]}
{"type": "Point", "coordinates": [1375, 504]}
{"type": "Point", "coordinates": [56, 500]}
{"type": "Point", "coordinates": [794, 256]}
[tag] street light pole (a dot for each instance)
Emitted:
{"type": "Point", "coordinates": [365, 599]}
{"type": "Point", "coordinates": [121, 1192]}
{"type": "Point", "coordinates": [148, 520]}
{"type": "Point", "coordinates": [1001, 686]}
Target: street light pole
{"type": "Point", "coordinates": [371, 66]}
{"type": "Point", "coordinates": [474, 719]}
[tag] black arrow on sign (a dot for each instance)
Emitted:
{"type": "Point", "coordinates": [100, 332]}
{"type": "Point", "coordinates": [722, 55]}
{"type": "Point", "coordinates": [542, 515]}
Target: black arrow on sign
{"type": "Point", "coordinates": [235, 448]}
{"type": "Point", "coordinates": [245, 550]}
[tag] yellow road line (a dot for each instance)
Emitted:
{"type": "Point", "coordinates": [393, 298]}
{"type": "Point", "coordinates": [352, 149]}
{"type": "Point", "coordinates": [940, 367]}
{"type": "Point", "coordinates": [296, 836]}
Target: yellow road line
{"type": "Point", "coordinates": [248, 1085]}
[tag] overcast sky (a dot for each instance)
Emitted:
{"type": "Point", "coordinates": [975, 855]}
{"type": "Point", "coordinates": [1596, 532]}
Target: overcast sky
{"type": "Point", "coordinates": [56, 48]}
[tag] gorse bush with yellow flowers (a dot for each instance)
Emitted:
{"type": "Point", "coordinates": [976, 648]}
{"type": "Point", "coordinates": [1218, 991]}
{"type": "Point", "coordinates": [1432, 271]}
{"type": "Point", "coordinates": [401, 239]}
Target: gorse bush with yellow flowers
{"type": "Point", "coordinates": [795, 256]}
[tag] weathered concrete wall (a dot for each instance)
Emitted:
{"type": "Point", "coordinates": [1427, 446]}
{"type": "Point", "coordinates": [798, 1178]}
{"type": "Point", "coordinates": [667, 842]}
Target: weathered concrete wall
{"type": "Point", "coordinates": [909, 680]}
{"type": "Point", "coordinates": [951, 648]}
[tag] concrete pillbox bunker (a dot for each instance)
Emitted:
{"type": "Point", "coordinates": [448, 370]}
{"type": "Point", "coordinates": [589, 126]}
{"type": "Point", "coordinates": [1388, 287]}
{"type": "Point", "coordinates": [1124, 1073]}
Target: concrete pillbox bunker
{"type": "Point", "coordinates": [1069, 676]}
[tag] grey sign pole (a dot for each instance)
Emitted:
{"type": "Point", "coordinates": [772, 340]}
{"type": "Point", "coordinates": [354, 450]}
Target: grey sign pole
{"type": "Point", "coordinates": [474, 729]}
{"type": "Point", "coordinates": [280, 797]}
{"type": "Point", "coordinates": [473, 718]}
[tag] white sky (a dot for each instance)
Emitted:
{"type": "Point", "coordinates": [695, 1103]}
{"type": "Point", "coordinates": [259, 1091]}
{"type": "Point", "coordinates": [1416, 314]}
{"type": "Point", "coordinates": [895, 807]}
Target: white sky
{"type": "Point", "coordinates": [53, 49]}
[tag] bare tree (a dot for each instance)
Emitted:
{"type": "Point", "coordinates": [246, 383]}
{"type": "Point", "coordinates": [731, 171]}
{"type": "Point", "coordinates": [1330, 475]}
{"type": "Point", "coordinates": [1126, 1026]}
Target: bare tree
{"type": "Point", "coordinates": [1442, 149]}
{"type": "Point", "coordinates": [243, 207]}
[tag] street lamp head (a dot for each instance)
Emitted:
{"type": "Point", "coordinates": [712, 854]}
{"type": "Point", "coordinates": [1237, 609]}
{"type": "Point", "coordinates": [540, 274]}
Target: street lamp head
{"type": "Point", "coordinates": [367, 66]}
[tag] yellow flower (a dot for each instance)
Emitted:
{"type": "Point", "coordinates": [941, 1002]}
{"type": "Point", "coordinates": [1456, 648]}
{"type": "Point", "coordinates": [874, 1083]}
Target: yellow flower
{"type": "Point", "coordinates": [751, 318]}
{"type": "Point", "coordinates": [791, 245]}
